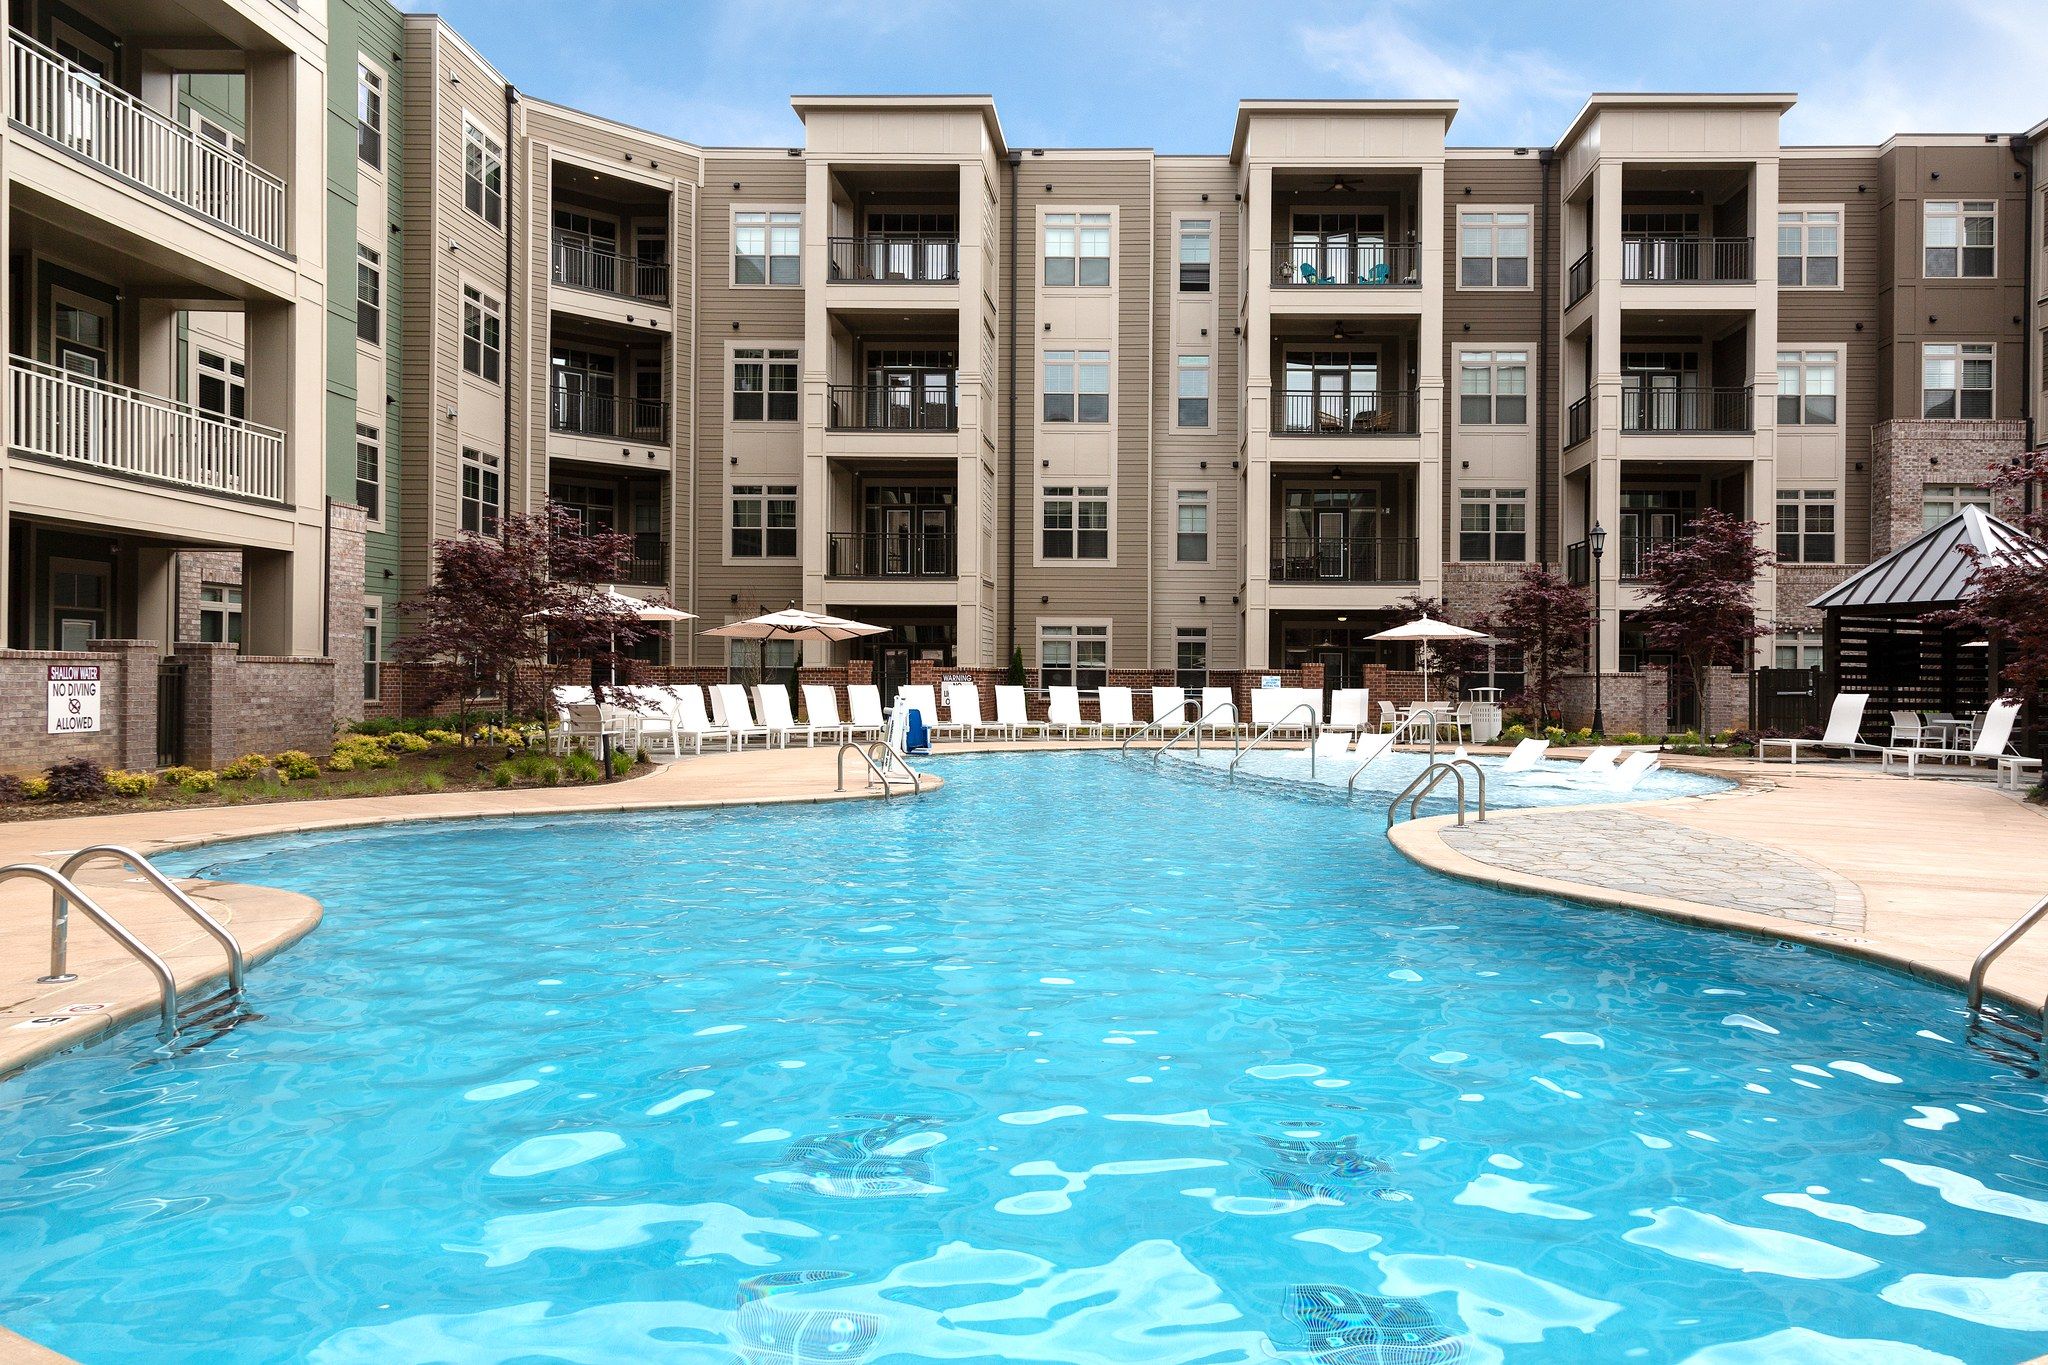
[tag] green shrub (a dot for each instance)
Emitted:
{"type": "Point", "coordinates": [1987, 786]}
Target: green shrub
{"type": "Point", "coordinates": [504, 774]}
{"type": "Point", "coordinates": [1554, 733]}
{"type": "Point", "coordinates": [296, 765]}
{"type": "Point", "coordinates": [245, 767]}
{"type": "Point", "coordinates": [176, 774]}
{"type": "Point", "coordinates": [582, 767]}
{"type": "Point", "coordinates": [442, 737]}
{"type": "Point", "coordinates": [623, 761]}
{"type": "Point", "coordinates": [199, 781]}
{"type": "Point", "coordinates": [35, 788]}
{"type": "Point", "coordinates": [405, 742]}
{"type": "Point", "coordinates": [131, 784]}
{"type": "Point", "coordinates": [1514, 734]}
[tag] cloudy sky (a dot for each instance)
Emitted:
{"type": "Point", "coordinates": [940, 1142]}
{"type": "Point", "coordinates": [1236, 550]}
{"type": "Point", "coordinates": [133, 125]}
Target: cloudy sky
{"type": "Point", "coordinates": [1168, 76]}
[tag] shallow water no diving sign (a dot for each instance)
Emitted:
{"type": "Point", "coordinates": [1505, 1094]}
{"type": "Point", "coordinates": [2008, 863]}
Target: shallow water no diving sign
{"type": "Point", "coordinates": [74, 699]}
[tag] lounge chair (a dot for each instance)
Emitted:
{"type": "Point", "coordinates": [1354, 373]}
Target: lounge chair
{"type": "Point", "coordinates": [1117, 715]}
{"type": "Point", "coordinates": [729, 707]}
{"type": "Point", "coordinates": [773, 699]}
{"type": "Point", "coordinates": [693, 721]}
{"type": "Point", "coordinates": [1014, 714]}
{"type": "Point", "coordinates": [1351, 710]}
{"type": "Point", "coordinates": [1276, 707]}
{"type": "Point", "coordinates": [1169, 704]}
{"type": "Point", "coordinates": [1527, 755]}
{"type": "Point", "coordinates": [561, 699]}
{"type": "Point", "coordinates": [923, 699]}
{"type": "Point", "coordinates": [865, 701]}
{"type": "Point", "coordinates": [1390, 719]}
{"type": "Point", "coordinates": [1371, 746]}
{"type": "Point", "coordinates": [1064, 714]}
{"type": "Point", "coordinates": [1332, 744]}
{"type": "Point", "coordinates": [1594, 767]}
{"type": "Point", "coordinates": [1215, 721]}
{"type": "Point", "coordinates": [821, 709]}
{"type": "Point", "coordinates": [654, 712]}
{"type": "Point", "coordinates": [963, 703]}
{"type": "Point", "coordinates": [1845, 725]}
{"type": "Point", "coordinates": [1626, 774]}
{"type": "Point", "coordinates": [1993, 737]}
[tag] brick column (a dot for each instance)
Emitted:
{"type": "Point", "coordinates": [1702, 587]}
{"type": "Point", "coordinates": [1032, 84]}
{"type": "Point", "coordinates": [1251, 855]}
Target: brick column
{"type": "Point", "coordinates": [209, 705]}
{"type": "Point", "coordinates": [129, 706]}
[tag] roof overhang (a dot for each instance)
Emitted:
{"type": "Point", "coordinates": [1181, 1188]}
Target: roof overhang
{"type": "Point", "coordinates": [985, 105]}
{"type": "Point", "coordinates": [1248, 109]}
{"type": "Point", "coordinates": [1601, 101]}
{"type": "Point", "coordinates": [1935, 567]}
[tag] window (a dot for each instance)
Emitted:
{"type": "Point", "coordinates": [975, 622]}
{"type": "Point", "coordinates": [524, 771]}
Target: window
{"type": "Point", "coordinates": [1806, 388]}
{"type": "Point", "coordinates": [220, 613]}
{"type": "Point", "coordinates": [1493, 250]}
{"type": "Point", "coordinates": [1955, 380]}
{"type": "Point", "coordinates": [1940, 501]}
{"type": "Point", "coordinates": [369, 296]}
{"type": "Point", "coordinates": [370, 470]}
{"type": "Point", "coordinates": [1191, 657]}
{"type": "Point", "coordinates": [1806, 526]}
{"type": "Point", "coordinates": [479, 499]}
{"type": "Point", "coordinates": [1194, 256]}
{"type": "Point", "coordinates": [749, 660]}
{"type": "Point", "coordinates": [1493, 388]}
{"type": "Point", "coordinates": [1075, 522]}
{"type": "Point", "coordinates": [369, 116]}
{"type": "Point", "coordinates": [373, 650]}
{"type": "Point", "coordinates": [767, 246]}
{"type": "Point", "coordinates": [223, 386]}
{"type": "Point", "coordinates": [483, 174]}
{"type": "Point", "coordinates": [1193, 409]}
{"type": "Point", "coordinates": [1191, 526]}
{"type": "Point", "coordinates": [1493, 524]}
{"type": "Point", "coordinates": [1797, 649]}
{"type": "Point", "coordinates": [764, 385]}
{"type": "Point", "coordinates": [1960, 236]}
{"type": "Point", "coordinates": [1077, 386]}
{"type": "Point", "coordinates": [1073, 656]}
{"type": "Point", "coordinates": [1077, 248]}
{"type": "Point", "coordinates": [480, 328]}
{"type": "Point", "coordinates": [763, 521]}
{"type": "Point", "coordinates": [1810, 248]}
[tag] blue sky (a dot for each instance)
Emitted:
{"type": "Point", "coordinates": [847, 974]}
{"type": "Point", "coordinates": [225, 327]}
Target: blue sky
{"type": "Point", "coordinates": [1168, 76]}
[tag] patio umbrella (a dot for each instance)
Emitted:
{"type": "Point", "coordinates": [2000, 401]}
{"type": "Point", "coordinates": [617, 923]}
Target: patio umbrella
{"type": "Point", "coordinates": [638, 607]}
{"type": "Point", "coordinates": [1422, 630]}
{"type": "Point", "coordinates": [791, 623]}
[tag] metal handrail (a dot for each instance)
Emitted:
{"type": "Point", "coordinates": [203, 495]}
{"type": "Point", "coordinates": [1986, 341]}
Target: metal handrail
{"type": "Point", "coordinates": [1376, 754]}
{"type": "Point", "coordinates": [63, 889]}
{"type": "Point", "coordinates": [1315, 717]}
{"type": "Point", "coordinates": [880, 770]}
{"type": "Point", "coordinates": [1147, 728]}
{"type": "Point", "coordinates": [2013, 934]}
{"type": "Point", "coordinates": [141, 866]}
{"type": "Point", "coordinates": [1429, 779]}
{"type": "Point", "coordinates": [891, 754]}
{"type": "Point", "coordinates": [1236, 740]}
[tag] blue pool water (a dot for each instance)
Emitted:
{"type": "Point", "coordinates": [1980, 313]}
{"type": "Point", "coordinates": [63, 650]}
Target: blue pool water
{"type": "Point", "coordinates": [1075, 1060]}
{"type": "Point", "coordinates": [1552, 782]}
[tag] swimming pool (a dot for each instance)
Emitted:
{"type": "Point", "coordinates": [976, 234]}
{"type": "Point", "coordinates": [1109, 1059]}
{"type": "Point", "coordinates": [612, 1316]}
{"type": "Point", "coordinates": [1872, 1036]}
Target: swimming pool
{"type": "Point", "coordinates": [1551, 783]}
{"type": "Point", "coordinates": [1076, 1059]}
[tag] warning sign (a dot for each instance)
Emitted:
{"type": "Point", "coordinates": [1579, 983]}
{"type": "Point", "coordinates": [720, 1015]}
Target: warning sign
{"type": "Point", "coordinates": [74, 699]}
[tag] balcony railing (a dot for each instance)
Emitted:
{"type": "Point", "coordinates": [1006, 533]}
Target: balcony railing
{"type": "Point", "coordinates": [1348, 262]}
{"type": "Point", "coordinates": [85, 421]}
{"type": "Point", "coordinates": [1579, 420]}
{"type": "Point", "coordinates": [1687, 260]}
{"type": "Point", "coordinates": [1630, 552]}
{"type": "Point", "coordinates": [895, 258]}
{"type": "Point", "coordinates": [1581, 281]}
{"type": "Point", "coordinates": [1648, 410]}
{"type": "Point", "coordinates": [576, 412]}
{"type": "Point", "coordinates": [1578, 564]}
{"type": "Point", "coordinates": [1382, 412]}
{"type": "Point", "coordinates": [1343, 559]}
{"type": "Point", "coordinates": [69, 107]}
{"type": "Point", "coordinates": [648, 564]}
{"type": "Point", "coordinates": [854, 407]}
{"type": "Point", "coordinates": [890, 554]}
{"type": "Point", "coordinates": [580, 266]}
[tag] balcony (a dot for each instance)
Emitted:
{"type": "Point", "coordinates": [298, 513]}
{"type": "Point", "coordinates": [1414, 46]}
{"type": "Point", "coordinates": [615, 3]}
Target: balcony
{"type": "Point", "coordinates": [889, 554]}
{"type": "Point", "coordinates": [1631, 551]}
{"type": "Point", "coordinates": [1648, 411]}
{"type": "Point", "coordinates": [1687, 260]}
{"type": "Point", "coordinates": [1579, 420]}
{"type": "Point", "coordinates": [125, 432]}
{"type": "Point", "coordinates": [1580, 282]}
{"type": "Point", "coordinates": [854, 407]}
{"type": "Point", "coordinates": [1344, 559]}
{"type": "Point", "coordinates": [894, 259]}
{"type": "Point", "coordinates": [71, 109]}
{"type": "Point", "coordinates": [1382, 412]}
{"type": "Point", "coordinates": [1347, 263]}
{"type": "Point", "coordinates": [648, 564]}
{"type": "Point", "coordinates": [577, 412]}
{"type": "Point", "coordinates": [578, 266]}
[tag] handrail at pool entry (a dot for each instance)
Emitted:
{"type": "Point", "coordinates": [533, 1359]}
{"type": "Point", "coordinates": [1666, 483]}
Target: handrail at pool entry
{"type": "Point", "coordinates": [63, 889]}
{"type": "Point", "coordinates": [140, 865]}
{"type": "Point", "coordinates": [881, 769]}
{"type": "Point", "coordinates": [1410, 720]}
{"type": "Point", "coordinates": [1429, 779]}
{"type": "Point", "coordinates": [1980, 1018]}
{"type": "Point", "coordinates": [1315, 726]}
{"type": "Point", "coordinates": [1195, 729]}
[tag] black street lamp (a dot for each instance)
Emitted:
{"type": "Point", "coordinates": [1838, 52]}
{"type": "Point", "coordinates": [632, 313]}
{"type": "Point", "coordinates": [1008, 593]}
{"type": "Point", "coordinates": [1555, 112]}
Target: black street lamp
{"type": "Point", "coordinates": [1596, 540]}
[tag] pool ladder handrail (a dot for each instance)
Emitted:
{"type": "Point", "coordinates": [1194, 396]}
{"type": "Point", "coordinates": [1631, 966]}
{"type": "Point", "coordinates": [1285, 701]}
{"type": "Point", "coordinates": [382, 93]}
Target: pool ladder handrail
{"type": "Point", "coordinates": [1980, 1018]}
{"type": "Point", "coordinates": [135, 862]}
{"type": "Point", "coordinates": [1429, 779]}
{"type": "Point", "coordinates": [1194, 727]}
{"type": "Point", "coordinates": [1315, 728]}
{"type": "Point", "coordinates": [1406, 723]}
{"type": "Point", "coordinates": [882, 769]}
{"type": "Point", "coordinates": [63, 891]}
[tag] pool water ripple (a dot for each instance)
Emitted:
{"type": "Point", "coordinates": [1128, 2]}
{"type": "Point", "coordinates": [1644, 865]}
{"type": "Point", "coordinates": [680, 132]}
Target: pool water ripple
{"type": "Point", "coordinates": [1177, 1073]}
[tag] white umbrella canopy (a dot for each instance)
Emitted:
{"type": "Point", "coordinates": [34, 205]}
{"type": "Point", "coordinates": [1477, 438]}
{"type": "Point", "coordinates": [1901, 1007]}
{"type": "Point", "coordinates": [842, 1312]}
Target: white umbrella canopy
{"type": "Point", "coordinates": [1422, 630]}
{"type": "Point", "coordinates": [638, 606]}
{"type": "Point", "coordinates": [793, 624]}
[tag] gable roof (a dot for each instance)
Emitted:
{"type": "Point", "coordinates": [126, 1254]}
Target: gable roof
{"type": "Point", "coordinates": [1934, 568]}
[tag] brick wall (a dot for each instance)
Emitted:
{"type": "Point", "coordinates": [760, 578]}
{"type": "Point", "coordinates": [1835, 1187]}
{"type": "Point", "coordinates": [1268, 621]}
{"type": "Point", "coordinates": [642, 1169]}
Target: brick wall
{"type": "Point", "coordinates": [1639, 703]}
{"type": "Point", "coordinates": [127, 734]}
{"type": "Point", "coordinates": [196, 569]}
{"type": "Point", "coordinates": [347, 524]}
{"type": "Point", "coordinates": [247, 703]}
{"type": "Point", "coordinates": [1799, 584]}
{"type": "Point", "coordinates": [1907, 454]}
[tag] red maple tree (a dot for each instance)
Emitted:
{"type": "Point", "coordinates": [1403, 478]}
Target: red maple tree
{"type": "Point", "coordinates": [2008, 596]}
{"type": "Point", "coordinates": [1702, 595]}
{"type": "Point", "coordinates": [1547, 617]}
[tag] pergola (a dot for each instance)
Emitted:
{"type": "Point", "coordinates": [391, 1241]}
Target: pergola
{"type": "Point", "coordinates": [1880, 639]}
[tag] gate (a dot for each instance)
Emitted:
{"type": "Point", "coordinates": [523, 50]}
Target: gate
{"type": "Point", "coordinates": [1787, 701]}
{"type": "Point", "coordinates": [170, 712]}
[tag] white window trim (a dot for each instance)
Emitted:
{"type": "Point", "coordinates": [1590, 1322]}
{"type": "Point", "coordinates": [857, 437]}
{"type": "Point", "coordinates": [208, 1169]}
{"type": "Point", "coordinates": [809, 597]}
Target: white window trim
{"type": "Point", "coordinates": [1076, 425]}
{"type": "Point", "coordinates": [1173, 559]}
{"type": "Point", "coordinates": [1207, 428]}
{"type": "Point", "coordinates": [1181, 222]}
{"type": "Point", "coordinates": [1959, 277]}
{"type": "Point", "coordinates": [485, 295]}
{"type": "Point", "coordinates": [1794, 494]}
{"type": "Point", "coordinates": [739, 478]}
{"type": "Point", "coordinates": [1493, 532]}
{"type": "Point", "coordinates": [379, 171]}
{"type": "Point", "coordinates": [488, 459]}
{"type": "Point", "coordinates": [732, 358]}
{"type": "Point", "coordinates": [1456, 381]}
{"type": "Point", "coordinates": [1800, 640]}
{"type": "Point", "coordinates": [1458, 250]}
{"type": "Point", "coordinates": [383, 300]}
{"type": "Point", "coordinates": [1925, 346]}
{"type": "Point", "coordinates": [1841, 213]}
{"type": "Point", "coordinates": [373, 619]}
{"type": "Point", "coordinates": [1107, 626]}
{"type": "Point", "coordinates": [732, 230]}
{"type": "Point", "coordinates": [1080, 211]}
{"type": "Point", "coordinates": [231, 355]}
{"type": "Point", "coordinates": [469, 121]}
{"type": "Point", "coordinates": [375, 515]}
{"type": "Point", "coordinates": [1048, 478]}
{"type": "Point", "coordinates": [1840, 352]}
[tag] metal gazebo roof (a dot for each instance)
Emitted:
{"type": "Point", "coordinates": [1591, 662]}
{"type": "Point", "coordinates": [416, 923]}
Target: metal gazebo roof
{"type": "Point", "coordinates": [1934, 568]}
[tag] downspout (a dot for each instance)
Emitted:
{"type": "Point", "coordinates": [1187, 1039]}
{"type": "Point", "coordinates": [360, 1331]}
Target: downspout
{"type": "Point", "coordinates": [2022, 152]}
{"type": "Point", "coordinates": [326, 585]}
{"type": "Point", "coordinates": [511, 292]}
{"type": "Point", "coordinates": [1545, 433]}
{"type": "Point", "coordinates": [1010, 420]}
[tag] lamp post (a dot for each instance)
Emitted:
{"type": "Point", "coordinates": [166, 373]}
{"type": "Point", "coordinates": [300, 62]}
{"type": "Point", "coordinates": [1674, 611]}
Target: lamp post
{"type": "Point", "coordinates": [1596, 540]}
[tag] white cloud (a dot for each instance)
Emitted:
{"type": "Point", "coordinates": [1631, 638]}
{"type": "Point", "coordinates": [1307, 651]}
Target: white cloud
{"type": "Point", "coordinates": [1981, 72]}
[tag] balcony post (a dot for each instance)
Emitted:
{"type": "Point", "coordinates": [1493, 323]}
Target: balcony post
{"type": "Point", "coordinates": [1429, 415]}
{"type": "Point", "coordinates": [285, 125]}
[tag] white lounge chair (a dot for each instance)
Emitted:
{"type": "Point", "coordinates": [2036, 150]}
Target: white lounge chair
{"type": "Point", "coordinates": [1117, 715]}
{"type": "Point", "coordinates": [1371, 746]}
{"type": "Point", "coordinates": [1351, 710]}
{"type": "Point", "coordinates": [1845, 725]}
{"type": "Point", "coordinates": [1993, 737]}
{"type": "Point", "coordinates": [693, 722]}
{"type": "Point", "coordinates": [963, 704]}
{"type": "Point", "coordinates": [865, 701]}
{"type": "Point", "coordinates": [821, 710]}
{"type": "Point", "coordinates": [1287, 710]}
{"type": "Point", "coordinates": [1170, 705]}
{"type": "Point", "coordinates": [1214, 719]}
{"type": "Point", "coordinates": [1594, 767]}
{"type": "Point", "coordinates": [560, 699]}
{"type": "Point", "coordinates": [782, 726]}
{"type": "Point", "coordinates": [589, 723]}
{"type": "Point", "coordinates": [1390, 719]}
{"type": "Point", "coordinates": [729, 708]}
{"type": "Point", "coordinates": [1527, 755]}
{"type": "Point", "coordinates": [1332, 744]}
{"type": "Point", "coordinates": [1064, 711]}
{"type": "Point", "coordinates": [923, 699]}
{"type": "Point", "coordinates": [654, 716]}
{"type": "Point", "coordinates": [1014, 715]}
{"type": "Point", "coordinates": [1626, 774]}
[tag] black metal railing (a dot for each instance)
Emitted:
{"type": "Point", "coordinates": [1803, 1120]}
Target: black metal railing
{"type": "Point", "coordinates": [894, 258]}
{"type": "Point", "coordinates": [648, 564]}
{"type": "Point", "coordinates": [889, 554]}
{"type": "Point", "coordinates": [1688, 260]}
{"type": "Point", "coordinates": [1633, 550]}
{"type": "Point", "coordinates": [1578, 420]}
{"type": "Point", "coordinates": [854, 407]}
{"type": "Point", "coordinates": [1686, 410]}
{"type": "Point", "coordinates": [1380, 412]}
{"type": "Point", "coordinates": [1350, 262]}
{"type": "Point", "coordinates": [581, 266]}
{"type": "Point", "coordinates": [1343, 559]}
{"type": "Point", "coordinates": [1578, 564]}
{"type": "Point", "coordinates": [1580, 282]}
{"type": "Point", "coordinates": [577, 412]}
